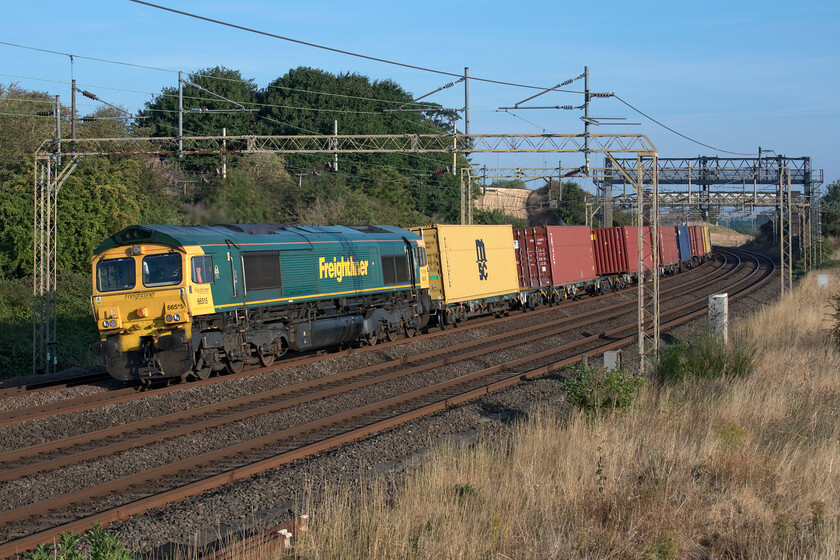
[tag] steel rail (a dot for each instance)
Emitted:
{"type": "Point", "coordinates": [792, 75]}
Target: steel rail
{"type": "Point", "coordinates": [119, 396]}
{"type": "Point", "coordinates": [340, 419]}
{"type": "Point", "coordinates": [180, 423]}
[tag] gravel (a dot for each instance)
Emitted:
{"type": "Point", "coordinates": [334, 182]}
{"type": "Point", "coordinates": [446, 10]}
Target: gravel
{"type": "Point", "coordinates": [266, 498]}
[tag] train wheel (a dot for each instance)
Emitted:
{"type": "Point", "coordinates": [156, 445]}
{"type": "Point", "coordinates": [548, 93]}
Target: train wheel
{"type": "Point", "coordinates": [235, 366]}
{"type": "Point", "coordinates": [372, 339]}
{"type": "Point", "coordinates": [266, 359]}
{"type": "Point", "coordinates": [410, 332]}
{"type": "Point", "coordinates": [202, 373]}
{"type": "Point", "coordinates": [391, 334]}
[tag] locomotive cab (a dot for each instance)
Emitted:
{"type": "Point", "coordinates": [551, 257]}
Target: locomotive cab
{"type": "Point", "coordinates": [141, 309]}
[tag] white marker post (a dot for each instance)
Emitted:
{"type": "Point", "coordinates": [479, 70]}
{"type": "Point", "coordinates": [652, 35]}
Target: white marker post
{"type": "Point", "coordinates": [719, 315]}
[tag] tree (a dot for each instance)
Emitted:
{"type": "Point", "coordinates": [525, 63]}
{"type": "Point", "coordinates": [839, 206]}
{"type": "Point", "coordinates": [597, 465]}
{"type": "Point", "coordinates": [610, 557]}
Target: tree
{"type": "Point", "coordinates": [105, 122]}
{"type": "Point", "coordinates": [25, 123]}
{"type": "Point", "coordinates": [571, 207]}
{"type": "Point", "coordinates": [508, 184]}
{"type": "Point", "coordinates": [831, 210]}
{"type": "Point", "coordinates": [205, 113]}
{"type": "Point", "coordinates": [310, 101]}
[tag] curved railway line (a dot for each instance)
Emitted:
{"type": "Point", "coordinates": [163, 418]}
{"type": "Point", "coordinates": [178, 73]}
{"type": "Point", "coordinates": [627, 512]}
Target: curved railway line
{"type": "Point", "coordinates": [128, 394]}
{"type": "Point", "coordinates": [371, 399]}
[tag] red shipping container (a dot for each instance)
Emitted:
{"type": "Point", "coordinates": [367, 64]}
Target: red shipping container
{"type": "Point", "coordinates": [616, 250]}
{"type": "Point", "coordinates": [532, 257]}
{"type": "Point", "coordinates": [572, 256]}
{"type": "Point", "coordinates": [695, 238]}
{"type": "Point", "coordinates": [668, 252]}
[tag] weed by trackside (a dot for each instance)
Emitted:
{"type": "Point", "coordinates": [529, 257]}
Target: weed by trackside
{"type": "Point", "coordinates": [602, 391]}
{"type": "Point", "coordinates": [705, 356]}
{"type": "Point", "coordinates": [101, 545]}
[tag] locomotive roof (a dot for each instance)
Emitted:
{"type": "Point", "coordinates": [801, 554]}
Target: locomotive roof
{"type": "Point", "coordinates": [180, 236]}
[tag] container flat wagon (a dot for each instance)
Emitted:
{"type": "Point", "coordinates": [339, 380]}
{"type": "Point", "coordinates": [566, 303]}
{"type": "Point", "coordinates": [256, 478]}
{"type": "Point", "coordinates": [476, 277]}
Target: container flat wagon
{"type": "Point", "coordinates": [707, 240]}
{"type": "Point", "coordinates": [472, 270]}
{"type": "Point", "coordinates": [616, 250]}
{"type": "Point", "coordinates": [695, 235]}
{"type": "Point", "coordinates": [533, 261]}
{"type": "Point", "coordinates": [684, 245]}
{"type": "Point", "coordinates": [669, 256]}
{"type": "Point", "coordinates": [553, 262]}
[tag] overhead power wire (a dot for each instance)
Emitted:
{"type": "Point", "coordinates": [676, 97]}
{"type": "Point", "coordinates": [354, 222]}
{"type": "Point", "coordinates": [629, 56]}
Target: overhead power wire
{"type": "Point", "coordinates": [666, 127]}
{"type": "Point", "coordinates": [332, 49]}
{"type": "Point", "coordinates": [88, 57]}
{"type": "Point", "coordinates": [511, 113]}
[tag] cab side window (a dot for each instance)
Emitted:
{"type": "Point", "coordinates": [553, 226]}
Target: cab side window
{"type": "Point", "coordinates": [420, 253]}
{"type": "Point", "coordinates": [202, 269]}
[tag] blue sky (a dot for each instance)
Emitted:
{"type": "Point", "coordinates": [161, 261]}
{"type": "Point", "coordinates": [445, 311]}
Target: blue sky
{"type": "Point", "coordinates": [734, 75]}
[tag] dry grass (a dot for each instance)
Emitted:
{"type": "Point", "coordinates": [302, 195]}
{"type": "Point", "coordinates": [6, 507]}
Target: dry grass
{"type": "Point", "coordinates": [725, 237]}
{"type": "Point", "coordinates": [744, 468]}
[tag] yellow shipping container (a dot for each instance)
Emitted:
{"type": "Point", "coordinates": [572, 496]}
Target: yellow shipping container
{"type": "Point", "coordinates": [707, 241]}
{"type": "Point", "coordinates": [468, 263]}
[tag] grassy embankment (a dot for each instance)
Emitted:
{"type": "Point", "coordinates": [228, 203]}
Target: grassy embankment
{"type": "Point", "coordinates": [705, 468]}
{"type": "Point", "coordinates": [75, 325]}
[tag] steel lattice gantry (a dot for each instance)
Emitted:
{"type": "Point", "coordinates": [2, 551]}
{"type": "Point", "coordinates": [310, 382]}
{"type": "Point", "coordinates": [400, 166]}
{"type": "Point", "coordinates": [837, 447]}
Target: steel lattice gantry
{"type": "Point", "coordinates": [713, 182]}
{"type": "Point", "coordinates": [735, 183]}
{"type": "Point", "coordinates": [50, 174]}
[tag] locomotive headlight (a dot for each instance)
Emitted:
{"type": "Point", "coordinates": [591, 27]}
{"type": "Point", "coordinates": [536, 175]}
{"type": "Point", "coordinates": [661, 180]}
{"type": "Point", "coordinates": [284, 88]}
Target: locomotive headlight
{"type": "Point", "coordinates": [105, 324]}
{"type": "Point", "coordinates": [135, 250]}
{"type": "Point", "coordinates": [169, 318]}
{"type": "Point", "coordinates": [176, 317]}
{"type": "Point", "coordinates": [113, 323]}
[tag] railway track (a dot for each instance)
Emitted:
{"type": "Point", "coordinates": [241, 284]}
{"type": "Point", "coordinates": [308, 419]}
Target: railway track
{"type": "Point", "coordinates": [133, 393]}
{"type": "Point", "coordinates": [35, 522]}
{"type": "Point", "coordinates": [31, 460]}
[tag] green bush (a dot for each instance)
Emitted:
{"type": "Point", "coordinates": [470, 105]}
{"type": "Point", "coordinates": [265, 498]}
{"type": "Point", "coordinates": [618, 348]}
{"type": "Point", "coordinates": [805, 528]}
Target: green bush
{"type": "Point", "coordinates": [100, 546]}
{"type": "Point", "coordinates": [705, 356]}
{"type": "Point", "coordinates": [104, 546]}
{"type": "Point", "coordinates": [596, 391]}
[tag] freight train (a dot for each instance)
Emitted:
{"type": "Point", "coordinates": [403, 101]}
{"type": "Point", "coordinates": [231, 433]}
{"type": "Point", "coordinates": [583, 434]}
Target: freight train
{"type": "Point", "coordinates": [178, 302]}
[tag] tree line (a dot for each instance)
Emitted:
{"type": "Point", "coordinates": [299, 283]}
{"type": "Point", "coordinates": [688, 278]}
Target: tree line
{"type": "Point", "coordinates": [105, 194]}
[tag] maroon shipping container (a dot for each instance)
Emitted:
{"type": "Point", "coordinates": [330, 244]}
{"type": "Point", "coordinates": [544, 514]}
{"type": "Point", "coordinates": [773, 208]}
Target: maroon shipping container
{"type": "Point", "coordinates": [532, 258]}
{"type": "Point", "coordinates": [616, 250]}
{"type": "Point", "coordinates": [668, 252]}
{"type": "Point", "coordinates": [695, 238]}
{"type": "Point", "coordinates": [572, 256]}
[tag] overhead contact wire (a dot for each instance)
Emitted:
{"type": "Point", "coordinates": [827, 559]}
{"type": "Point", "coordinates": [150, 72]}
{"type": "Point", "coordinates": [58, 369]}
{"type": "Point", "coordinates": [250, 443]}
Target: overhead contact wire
{"type": "Point", "coordinates": [331, 49]}
{"type": "Point", "coordinates": [680, 134]}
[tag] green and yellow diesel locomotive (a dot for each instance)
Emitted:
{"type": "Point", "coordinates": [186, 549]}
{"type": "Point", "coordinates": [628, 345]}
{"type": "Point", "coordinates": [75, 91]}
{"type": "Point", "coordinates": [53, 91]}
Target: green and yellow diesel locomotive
{"type": "Point", "coordinates": [186, 301]}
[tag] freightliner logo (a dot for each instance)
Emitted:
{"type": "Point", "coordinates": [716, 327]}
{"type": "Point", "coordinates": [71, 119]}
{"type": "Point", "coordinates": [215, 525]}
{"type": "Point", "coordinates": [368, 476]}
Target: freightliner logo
{"type": "Point", "coordinates": [340, 268]}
